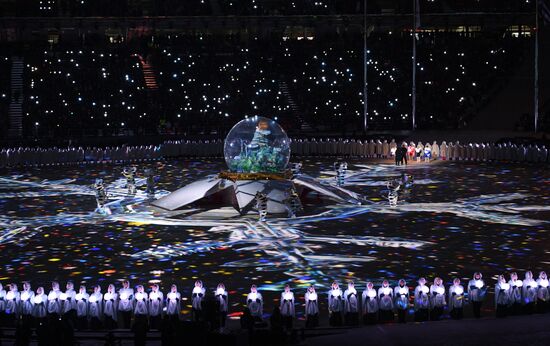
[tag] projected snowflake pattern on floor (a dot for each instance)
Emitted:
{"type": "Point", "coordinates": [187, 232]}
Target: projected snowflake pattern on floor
{"type": "Point", "coordinates": [305, 249]}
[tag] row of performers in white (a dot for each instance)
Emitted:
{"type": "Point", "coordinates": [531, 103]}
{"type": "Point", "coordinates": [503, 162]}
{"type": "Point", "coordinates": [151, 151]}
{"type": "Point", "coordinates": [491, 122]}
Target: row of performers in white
{"type": "Point", "coordinates": [511, 293]}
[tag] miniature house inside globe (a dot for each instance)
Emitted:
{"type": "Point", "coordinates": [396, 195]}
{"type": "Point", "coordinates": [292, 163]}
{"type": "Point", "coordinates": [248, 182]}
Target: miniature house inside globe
{"type": "Point", "coordinates": [257, 145]}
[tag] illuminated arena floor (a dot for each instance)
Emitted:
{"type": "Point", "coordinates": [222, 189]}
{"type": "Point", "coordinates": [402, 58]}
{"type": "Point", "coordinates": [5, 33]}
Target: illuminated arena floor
{"type": "Point", "coordinates": [457, 218]}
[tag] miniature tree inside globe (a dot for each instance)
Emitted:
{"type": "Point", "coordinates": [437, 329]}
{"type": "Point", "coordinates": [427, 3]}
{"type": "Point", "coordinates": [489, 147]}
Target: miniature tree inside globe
{"type": "Point", "coordinates": [257, 145]}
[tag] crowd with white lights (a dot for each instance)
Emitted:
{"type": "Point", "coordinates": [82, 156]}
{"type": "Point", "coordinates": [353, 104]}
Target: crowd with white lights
{"type": "Point", "coordinates": [202, 85]}
{"type": "Point", "coordinates": [112, 307]}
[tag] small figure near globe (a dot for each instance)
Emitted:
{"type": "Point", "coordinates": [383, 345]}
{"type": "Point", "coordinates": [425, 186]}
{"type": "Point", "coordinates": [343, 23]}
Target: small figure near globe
{"type": "Point", "coordinates": [129, 173]}
{"type": "Point", "coordinates": [100, 193]}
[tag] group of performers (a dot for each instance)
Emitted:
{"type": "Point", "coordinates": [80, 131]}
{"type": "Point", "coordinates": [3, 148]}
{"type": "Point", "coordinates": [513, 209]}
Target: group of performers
{"type": "Point", "coordinates": [96, 309]}
{"type": "Point", "coordinates": [24, 156]}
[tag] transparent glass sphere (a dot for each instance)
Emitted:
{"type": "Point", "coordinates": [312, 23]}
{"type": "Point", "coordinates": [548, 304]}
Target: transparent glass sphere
{"type": "Point", "coordinates": [257, 145]}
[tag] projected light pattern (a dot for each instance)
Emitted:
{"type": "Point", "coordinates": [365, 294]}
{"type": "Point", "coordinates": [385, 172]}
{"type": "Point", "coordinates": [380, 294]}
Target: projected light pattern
{"type": "Point", "coordinates": [457, 218]}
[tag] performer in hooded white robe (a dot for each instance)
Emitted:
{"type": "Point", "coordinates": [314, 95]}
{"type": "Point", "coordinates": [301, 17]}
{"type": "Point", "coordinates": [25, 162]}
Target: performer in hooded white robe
{"type": "Point", "coordinates": [351, 305]}
{"type": "Point", "coordinates": [39, 307]}
{"type": "Point", "coordinates": [421, 301]}
{"type": "Point", "coordinates": [443, 150]}
{"type": "Point", "coordinates": [255, 303]}
{"type": "Point", "coordinates": [286, 307]}
{"type": "Point", "coordinates": [385, 149]}
{"type": "Point", "coordinates": [222, 300]}
{"type": "Point", "coordinates": [126, 303]}
{"type": "Point", "coordinates": [110, 313]}
{"type": "Point", "coordinates": [372, 148]}
{"type": "Point", "coordinates": [516, 285]}
{"type": "Point", "coordinates": [385, 302]}
{"type": "Point", "coordinates": [82, 299]}
{"type": "Point", "coordinates": [529, 293]}
{"type": "Point", "coordinates": [54, 302]}
{"type": "Point", "coordinates": [13, 300]}
{"type": "Point", "coordinates": [503, 297]}
{"type": "Point", "coordinates": [435, 150]}
{"type": "Point", "coordinates": [95, 308]}
{"type": "Point", "coordinates": [379, 148]}
{"type": "Point", "coordinates": [156, 299]}
{"type": "Point", "coordinates": [27, 301]}
{"type": "Point", "coordinates": [2, 303]}
{"type": "Point", "coordinates": [196, 300]}
{"type": "Point", "coordinates": [173, 304]}
{"type": "Point", "coordinates": [370, 304]}
{"type": "Point", "coordinates": [456, 299]}
{"type": "Point", "coordinates": [476, 293]}
{"type": "Point", "coordinates": [312, 307]}
{"type": "Point", "coordinates": [69, 303]}
{"type": "Point", "coordinates": [401, 296]}
{"type": "Point", "coordinates": [335, 304]}
{"type": "Point", "coordinates": [543, 293]}
{"type": "Point", "coordinates": [437, 299]}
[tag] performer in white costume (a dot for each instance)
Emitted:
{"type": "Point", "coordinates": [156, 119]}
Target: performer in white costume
{"type": "Point", "coordinates": [529, 293]}
{"type": "Point", "coordinates": [287, 307]}
{"type": "Point", "coordinates": [437, 299]}
{"type": "Point", "coordinates": [222, 300]}
{"type": "Point", "coordinates": [503, 297]}
{"type": "Point", "coordinates": [255, 303]}
{"type": "Point", "coordinates": [156, 299]}
{"type": "Point", "coordinates": [401, 296]}
{"type": "Point", "coordinates": [173, 304]}
{"type": "Point", "coordinates": [456, 299]}
{"type": "Point", "coordinates": [370, 304]}
{"type": "Point", "coordinates": [196, 300]}
{"type": "Point", "coordinates": [335, 304]}
{"type": "Point", "coordinates": [40, 310]}
{"type": "Point", "coordinates": [95, 308]}
{"type": "Point", "coordinates": [351, 305]}
{"type": "Point", "coordinates": [69, 304]}
{"type": "Point", "coordinates": [110, 307]}
{"type": "Point", "coordinates": [312, 307]}
{"type": "Point", "coordinates": [543, 294]}
{"type": "Point", "coordinates": [435, 150]}
{"type": "Point", "coordinates": [13, 300]}
{"type": "Point", "coordinates": [82, 308]}
{"type": "Point", "coordinates": [476, 293]}
{"type": "Point", "coordinates": [421, 301]}
{"type": "Point", "coordinates": [54, 302]}
{"type": "Point", "coordinates": [516, 285]}
{"type": "Point", "coordinates": [126, 303]}
{"type": "Point", "coordinates": [27, 302]}
{"type": "Point", "coordinates": [385, 302]}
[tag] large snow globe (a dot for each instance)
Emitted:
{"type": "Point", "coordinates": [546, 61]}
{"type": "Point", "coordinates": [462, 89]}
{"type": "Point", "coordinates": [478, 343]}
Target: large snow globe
{"type": "Point", "coordinates": [257, 145]}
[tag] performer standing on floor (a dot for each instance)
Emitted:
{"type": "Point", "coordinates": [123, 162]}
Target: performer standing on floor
{"type": "Point", "coordinates": [95, 308]}
{"type": "Point", "coordinates": [287, 307]}
{"type": "Point", "coordinates": [173, 304]}
{"type": "Point", "coordinates": [125, 304]}
{"type": "Point", "coordinates": [385, 302]}
{"type": "Point", "coordinates": [335, 305]}
{"type": "Point", "coordinates": [196, 300]}
{"type": "Point", "coordinates": [437, 295]}
{"type": "Point", "coordinates": [223, 303]}
{"type": "Point", "coordinates": [456, 299]}
{"type": "Point", "coordinates": [543, 294]}
{"type": "Point", "coordinates": [529, 293]}
{"type": "Point", "coordinates": [109, 307]}
{"type": "Point", "coordinates": [503, 297]}
{"type": "Point", "coordinates": [255, 303]}
{"type": "Point", "coordinates": [351, 305]}
{"type": "Point", "coordinates": [370, 304]}
{"type": "Point", "coordinates": [476, 293]}
{"type": "Point", "coordinates": [421, 301]}
{"type": "Point", "coordinates": [82, 308]}
{"type": "Point", "coordinates": [516, 294]}
{"type": "Point", "coordinates": [401, 294]}
{"type": "Point", "coordinates": [312, 308]}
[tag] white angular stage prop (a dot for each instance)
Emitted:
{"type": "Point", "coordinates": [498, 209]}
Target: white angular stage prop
{"type": "Point", "coordinates": [257, 151]}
